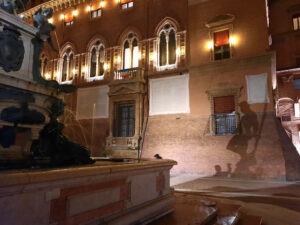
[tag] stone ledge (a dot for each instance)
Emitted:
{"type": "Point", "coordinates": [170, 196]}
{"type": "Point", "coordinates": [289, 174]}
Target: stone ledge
{"type": "Point", "coordinates": [23, 177]}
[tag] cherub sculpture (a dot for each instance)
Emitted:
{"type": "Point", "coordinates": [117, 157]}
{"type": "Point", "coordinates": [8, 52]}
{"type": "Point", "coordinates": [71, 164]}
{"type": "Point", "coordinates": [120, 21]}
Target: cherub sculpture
{"type": "Point", "coordinates": [40, 21]}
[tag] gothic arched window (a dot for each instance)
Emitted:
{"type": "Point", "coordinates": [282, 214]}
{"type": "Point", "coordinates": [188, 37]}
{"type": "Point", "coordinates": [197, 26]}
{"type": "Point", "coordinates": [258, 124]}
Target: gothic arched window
{"type": "Point", "coordinates": [64, 69]}
{"type": "Point", "coordinates": [130, 52]}
{"type": "Point", "coordinates": [68, 66]}
{"type": "Point", "coordinates": [97, 60]}
{"type": "Point", "coordinates": [167, 45]}
{"type": "Point", "coordinates": [93, 67]}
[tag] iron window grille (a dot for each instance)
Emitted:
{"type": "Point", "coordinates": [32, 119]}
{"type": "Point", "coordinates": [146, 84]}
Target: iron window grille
{"type": "Point", "coordinates": [225, 123]}
{"type": "Point", "coordinates": [124, 121]}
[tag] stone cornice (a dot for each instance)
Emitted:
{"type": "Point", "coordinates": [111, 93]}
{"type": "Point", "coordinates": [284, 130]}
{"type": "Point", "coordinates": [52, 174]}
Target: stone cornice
{"type": "Point", "coordinates": [7, 18]}
{"type": "Point", "coordinates": [56, 5]}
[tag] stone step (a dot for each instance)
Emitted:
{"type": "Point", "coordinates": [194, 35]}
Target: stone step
{"type": "Point", "coordinates": [198, 210]}
{"type": "Point", "coordinates": [189, 210]}
{"type": "Point", "coordinates": [227, 214]}
{"type": "Point", "coordinates": [246, 219]}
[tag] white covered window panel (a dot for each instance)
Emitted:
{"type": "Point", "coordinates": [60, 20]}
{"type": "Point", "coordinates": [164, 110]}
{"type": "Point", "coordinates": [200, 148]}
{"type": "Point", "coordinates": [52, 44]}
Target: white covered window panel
{"type": "Point", "coordinates": [169, 95]}
{"type": "Point", "coordinates": [257, 88]}
{"type": "Point", "coordinates": [92, 102]}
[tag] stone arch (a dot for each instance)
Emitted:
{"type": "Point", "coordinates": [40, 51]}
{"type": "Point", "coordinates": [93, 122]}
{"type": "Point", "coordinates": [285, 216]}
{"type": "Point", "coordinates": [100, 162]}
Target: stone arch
{"type": "Point", "coordinates": [65, 47]}
{"type": "Point", "coordinates": [126, 32]}
{"type": "Point", "coordinates": [95, 38]}
{"type": "Point", "coordinates": [165, 21]}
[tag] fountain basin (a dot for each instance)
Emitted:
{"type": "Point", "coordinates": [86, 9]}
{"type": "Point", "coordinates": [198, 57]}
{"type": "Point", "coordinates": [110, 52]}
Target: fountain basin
{"type": "Point", "coordinates": [102, 193]}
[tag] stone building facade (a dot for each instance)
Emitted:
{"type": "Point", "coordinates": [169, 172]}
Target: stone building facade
{"type": "Point", "coordinates": [191, 80]}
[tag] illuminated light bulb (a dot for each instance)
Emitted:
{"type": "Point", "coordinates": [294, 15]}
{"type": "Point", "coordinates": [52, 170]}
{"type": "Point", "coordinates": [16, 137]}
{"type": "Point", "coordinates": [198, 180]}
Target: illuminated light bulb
{"type": "Point", "coordinates": [209, 45]}
{"type": "Point", "coordinates": [105, 66]}
{"type": "Point", "coordinates": [62, 16]}
{"type": "Point", "coordinates": [178, 51]}
{"type": "Point", "coordinates": [232, 40]}
{"type": "Point", "coordinates": [75, 13]}
{"type": "Point", "coordinates": [85, 69]}
{"type": "Point", "coordinates": [119, 59]}
{"type": "Point", "coordinates": [118, 1]}
{"type": "Point", "coordinates": [57, 74]}
{"type": "Point", "coordinates": [153, 56]}
{"type": "Point", "coordinates": [47, 76]}
{"type": "Point", "coordinates": [50, 20]}
{"type": "Point", "coordinates": [140, 55]}
{"type": "Point", "coordinates": [102, 4]}
{"type": "Point", "coordinates": [88, 8]}
{"type": "Point", "coordinates": [74, 71]}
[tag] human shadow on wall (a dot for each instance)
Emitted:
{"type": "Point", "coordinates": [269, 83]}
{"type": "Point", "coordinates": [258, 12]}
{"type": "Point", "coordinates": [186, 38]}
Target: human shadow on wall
{"type": "Point", "coordinates": [248, 130]}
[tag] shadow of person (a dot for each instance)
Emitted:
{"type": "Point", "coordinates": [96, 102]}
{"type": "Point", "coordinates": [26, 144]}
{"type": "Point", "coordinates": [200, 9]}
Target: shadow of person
{"type": "Point", "coordinates": [239, 143]}
{"type": "Point", "coordinates": [220, 173]}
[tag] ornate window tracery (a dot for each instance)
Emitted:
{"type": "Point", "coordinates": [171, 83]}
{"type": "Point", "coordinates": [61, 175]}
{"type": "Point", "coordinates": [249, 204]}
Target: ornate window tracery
{"type": "Point", "coordinates": [68, 66]}
{"type": "Point", "coordinates": [96, 60]}
{"type": "Point", "coordinates": [130, 51]}
{"type": "Point", "coordinates": [167, 46]}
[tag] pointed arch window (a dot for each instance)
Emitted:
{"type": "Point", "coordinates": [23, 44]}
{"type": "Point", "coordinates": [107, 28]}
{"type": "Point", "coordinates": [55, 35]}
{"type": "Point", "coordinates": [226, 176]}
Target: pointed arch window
{"type": "Point", "coordinates": [43, 65]}
{"type": "Point", "coordinates": [93, 63]}
{"type": "Point", "coordinates": [68, 66]}
{"type": "Point", "coordinates": [167, 46]}
{"type": "Point", "coordinates": [97, 61]}
{"type": "Point", "coordinates": [130, 52]}
{"type": "Point", "coordinates": [65, 69]}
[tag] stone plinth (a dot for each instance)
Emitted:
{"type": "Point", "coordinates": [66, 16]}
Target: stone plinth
{"type": "Point", "coordinates": [17, 87]}
{"type": "Point", "coordinates": [104, 193]}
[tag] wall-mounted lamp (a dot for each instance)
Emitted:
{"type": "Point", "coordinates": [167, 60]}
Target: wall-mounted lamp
{"type": "Point", "coordinates": [50, 20]}
{"type": "Point", "coordinates": [233, 40]}
{"type": "Point", "coordinates": [119, 59]}
{"type": "Point", "coordinates": [153, 56]}
{"type": "Point", "coordinates": [74, 71]}
{"type": "Point", "coordinates": [75, 13]}
{"type": "Point", "coordinates": [62, 16]}
{"type": "Point", "coordinates": [88, 8]}
{"type": "Point", "coordinates": [102, 4]}
{"type": "Point", "coordinates": [210, 45]}
{"type": "Point", "coordinates": [105, 66]}
{"type": "Point", "coordinates": [47, 76]}
{"type": "Point", "coordinates": [85, 69]}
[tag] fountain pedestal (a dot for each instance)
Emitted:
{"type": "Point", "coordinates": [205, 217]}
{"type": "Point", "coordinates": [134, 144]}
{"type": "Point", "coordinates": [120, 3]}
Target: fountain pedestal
{"type": "Point", "coordinates": [17, 87]}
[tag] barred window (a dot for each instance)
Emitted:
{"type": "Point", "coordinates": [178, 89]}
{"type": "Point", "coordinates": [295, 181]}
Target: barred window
{"type": "Point", "coordinates": [124, 121]}
{"type": "Point", "coordinates": [224, 115]}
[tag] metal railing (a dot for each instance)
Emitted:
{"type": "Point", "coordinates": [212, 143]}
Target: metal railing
{"type": "Point", "coordinates": [128, 74]}
{"type": "Point", "coordinates": [225, 123]}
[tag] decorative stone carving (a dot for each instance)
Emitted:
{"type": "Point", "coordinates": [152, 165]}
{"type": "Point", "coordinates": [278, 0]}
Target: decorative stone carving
{"type": "Point", "coordinates": [220, 20]}
{"type": "Point", "coordinates": [12, 49]}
